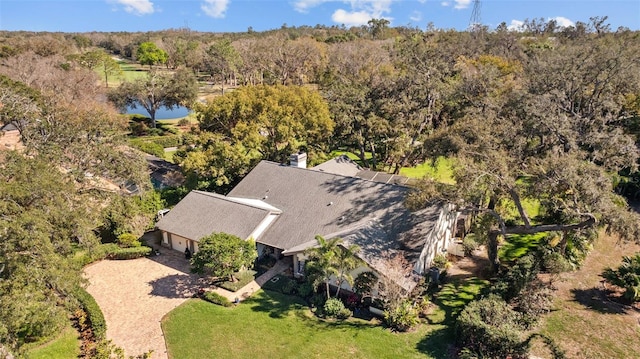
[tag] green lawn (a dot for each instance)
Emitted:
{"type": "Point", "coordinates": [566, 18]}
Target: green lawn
{"type": "Point", "coordinates": [441, 170]}
{"type": "Point", "coordinates": [65, 346]}
{"type": "Point", "coordinates": [517, 246]}
{"type": "Point", "coordinates": [272, 325]}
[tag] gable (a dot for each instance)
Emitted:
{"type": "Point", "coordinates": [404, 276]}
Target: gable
{"type": "Point", "coordinates": [202, 213]}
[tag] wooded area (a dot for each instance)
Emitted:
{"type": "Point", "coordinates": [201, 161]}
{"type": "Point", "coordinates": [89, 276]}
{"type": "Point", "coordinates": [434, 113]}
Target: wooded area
{"type": "Point", "coordinates": [547, 115]}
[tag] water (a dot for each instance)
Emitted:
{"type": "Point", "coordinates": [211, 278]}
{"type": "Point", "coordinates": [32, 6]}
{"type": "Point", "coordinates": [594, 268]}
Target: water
{"type": "Point", "coordinates": [162, 113]}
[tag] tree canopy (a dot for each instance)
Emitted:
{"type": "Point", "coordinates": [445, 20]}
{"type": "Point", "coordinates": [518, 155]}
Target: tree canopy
{"type": "Point", "coordinates": [222, 254]}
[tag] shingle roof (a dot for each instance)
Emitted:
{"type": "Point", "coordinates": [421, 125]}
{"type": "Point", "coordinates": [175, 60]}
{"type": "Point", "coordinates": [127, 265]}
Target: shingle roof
{"type": "Point", "coordinates": [341, 165]}
{"type": "Point", "coordinates": [314, 202]}
{"type": "Point", "coordinates": [202, 213]}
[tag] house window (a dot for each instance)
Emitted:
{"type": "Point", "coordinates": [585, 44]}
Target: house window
{"type": "Point", "coordinates": [301, 266]}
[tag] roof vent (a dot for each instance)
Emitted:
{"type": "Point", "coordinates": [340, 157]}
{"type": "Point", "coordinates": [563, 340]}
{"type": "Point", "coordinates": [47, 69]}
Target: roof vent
{"type": "Point", "coordinates": [265, 197]}
{"type": "Point", "coordinates": [330, 203]}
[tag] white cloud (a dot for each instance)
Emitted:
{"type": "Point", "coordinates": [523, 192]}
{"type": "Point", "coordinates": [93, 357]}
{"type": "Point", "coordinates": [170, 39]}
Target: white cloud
{"type": "Point", "coordinates": [516, 25]}
{"type": "Point", "coordinates": [416, 16]}
{"type": "Point", "coordinates": [462, 4]}
{"type": "Point", "coordinates": [563, 21]}
{"type": "Point", "coordinates": [138, 7]}
{"type": "Point", "coordinates": [304, 5]}
{"type": "Point", "coordinates": [351, 18]}
{"type": "Point", "coordinates": [215, 8]}
{"type": "Point", "coordinates": [359, 12]}
{"type": "Point", "coordinates": [459, 4]}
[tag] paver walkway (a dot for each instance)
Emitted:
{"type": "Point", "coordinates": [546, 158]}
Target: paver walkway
{"type": "Point", "coordinates": [246, 291]}
{"type": "Point", "coordinates": [135, 295]}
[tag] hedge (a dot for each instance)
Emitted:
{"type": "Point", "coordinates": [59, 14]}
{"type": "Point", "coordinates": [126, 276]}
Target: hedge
{"type": "Point", "coordinates": [216, 298]}
{"type": "Point", "coordinates": [129, 253]}
{"type": "Point", "coordinates": [94, 313]}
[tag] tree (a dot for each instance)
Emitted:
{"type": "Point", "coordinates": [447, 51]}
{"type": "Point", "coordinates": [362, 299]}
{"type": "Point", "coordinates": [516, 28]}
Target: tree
{"type": "Point", "coordinates": [222, 254]}
{"type": "Point", "coordinates": [546, 130]}
{"type": "Point", "coordinates": [223, 60]}
{"type": "Point", "coordinates": [273, 120]}
{"type": "Point", "coordinates": [331, 259]}
{"type": "Point", "coordinates": [150, 54]}
{"type": "Point", "coordinates": [346, 261]}
{"type": "Point", "coordinates": [99, 60]}
{"type": "Point", "coordinates": [626, 276]}
{"type": "Point", "coordinates": [214, 162]}
{"type": "Point", "coordinates": [155, 91]}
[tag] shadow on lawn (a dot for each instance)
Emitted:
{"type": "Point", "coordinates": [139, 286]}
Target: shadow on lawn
{"type": "Point", "coordinates": [438, 343]}
{"type": "Point", "coordinates": [598, 300]}
{"type": "Point", "coordinates": [454, 296]}
{"type": "Point", "coordinates": [276, 304]}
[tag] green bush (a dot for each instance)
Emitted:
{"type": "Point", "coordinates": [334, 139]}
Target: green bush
{"type": "Point", "coordinates": [517, 278]}
{"type": "Point", "coordinates": [333, 308]}
{"type": "Point", "coordinates": [150, 148]}
{"type": "Point", "coordinates": [94, 314]}
{"type": "Point", "coordinates": [469, 245]}
{"type": "Point", "coordinates": [128, 240]}
{"type": "Point", "coordinates": [305, 289]}
{"type": "Point", "coordinates": [490, 328]}
{"type": "Point", "coordinates": [184, 122]}
{"type": "Point", "coordinates": [290, 287]}
{"type": "Point", "coordinates": [216, 298]}
{"type": "Point", "coordinates": [130, 253]}
{"type": "Point", "coordinates": [440, 261]}
{"type": "Point", "coordinates": [364, 282]}
{"type": "Point", "coordinates": [626, 276]}
{"type": "Point", "coordinates": [403, 317]}
{"type": "Point", "coordinates": [535, 300]}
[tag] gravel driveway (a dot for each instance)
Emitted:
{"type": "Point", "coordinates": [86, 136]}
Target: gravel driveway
{"type": "Point", "coordinates": [134, 296]}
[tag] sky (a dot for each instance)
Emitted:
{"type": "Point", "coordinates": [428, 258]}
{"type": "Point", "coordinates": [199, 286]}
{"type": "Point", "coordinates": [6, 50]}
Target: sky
{"type": "Point", "coordinates": [261, 15]}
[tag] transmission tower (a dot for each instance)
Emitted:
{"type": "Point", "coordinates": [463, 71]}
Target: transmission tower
{"type": "Point", "coordinates": [475, 22]}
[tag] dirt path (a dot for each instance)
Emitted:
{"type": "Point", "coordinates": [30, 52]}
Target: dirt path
{"type": "Point", "coordinates": [134, 295]}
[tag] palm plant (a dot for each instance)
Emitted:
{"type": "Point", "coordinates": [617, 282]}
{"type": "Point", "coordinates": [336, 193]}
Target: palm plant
{"type": "Point", "coordinates": [346, 261]}
{"type": "Point", "coordinates": [321, 263]}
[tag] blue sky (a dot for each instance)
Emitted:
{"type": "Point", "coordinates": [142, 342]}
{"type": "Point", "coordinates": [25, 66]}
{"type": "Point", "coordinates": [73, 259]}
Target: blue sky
{"type": "Point", "coordinates": [239, 15]}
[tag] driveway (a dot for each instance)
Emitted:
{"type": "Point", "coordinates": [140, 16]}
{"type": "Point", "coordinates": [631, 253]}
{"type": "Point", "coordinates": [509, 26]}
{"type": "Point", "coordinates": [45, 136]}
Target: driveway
{"type": "Point", "coordinates": [135, 295]}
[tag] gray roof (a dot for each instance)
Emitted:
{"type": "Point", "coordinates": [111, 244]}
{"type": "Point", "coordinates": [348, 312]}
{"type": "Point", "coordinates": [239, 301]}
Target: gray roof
{"type": "Point", "coordinates": [314, 202]}
{"type": "Point", "coordinates": [202, 213]}
{"type": "Point", "coordinates": [341, 165]}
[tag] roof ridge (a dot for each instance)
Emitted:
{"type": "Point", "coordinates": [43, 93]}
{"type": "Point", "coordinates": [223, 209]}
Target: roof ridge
{"type": "Point", "coordinates": [234, 200]}
{"type": "Point", "coordinates": [334, 174]}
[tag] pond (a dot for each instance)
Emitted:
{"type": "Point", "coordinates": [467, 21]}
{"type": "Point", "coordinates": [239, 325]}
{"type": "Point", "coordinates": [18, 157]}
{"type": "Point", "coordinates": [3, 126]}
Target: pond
{"type": "Point", "coordinates": [162, 113]}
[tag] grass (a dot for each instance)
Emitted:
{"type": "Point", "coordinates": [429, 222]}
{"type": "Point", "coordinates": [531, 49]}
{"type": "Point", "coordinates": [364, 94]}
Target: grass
{"type": "Point", "coordinates": [584, 322]}
{"type": "Point", "coordinates": [243, 278]}
{"type": "Point", "coordinates": [517, 246]}
{"type": "Point", "coordinates": [65, 346]}
{"type": "Point", "coordinates": [440, 170]}
{"type": "Point", "coordinates": [272, 325]}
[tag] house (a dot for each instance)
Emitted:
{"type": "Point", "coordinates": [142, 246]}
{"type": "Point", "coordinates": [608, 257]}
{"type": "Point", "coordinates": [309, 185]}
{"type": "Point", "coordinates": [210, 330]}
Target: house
{"type": "Point", "coordinates": [284, 207]}
{"type": "Point", "coordinates": [10, 136]}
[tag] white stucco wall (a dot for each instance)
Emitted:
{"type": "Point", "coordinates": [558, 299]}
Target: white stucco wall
{"type": "Point", "coordinates": [438, 239]}
{"type": "Point", "coordinates": [178, 243]}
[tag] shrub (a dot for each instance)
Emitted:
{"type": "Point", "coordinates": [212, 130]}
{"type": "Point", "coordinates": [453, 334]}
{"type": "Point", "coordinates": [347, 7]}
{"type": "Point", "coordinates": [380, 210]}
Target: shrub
{"type": "Point", "coordinates": [150, 148]}
{"type": "Point", "coordinates": [216, 298]}
{"type": "Point", "coordinates": [440, 261]}
{"type": "Point", "coordinates": [626, 276]}
{"type": "Point", "coordinates": [290, 287]}
{"type": "Point", "coordinates": [130, 253]}
{"type": "Point", "coordinates": [403, 317]}
{"type": "Point", "coordinates": [305, 289]}
{"type": "Point", "coordinates": [318, 300]}
{"type": "Point", "coordinates": [128, 240]}
{"type": "Point", "coordinates": [94, 314]}
{"type": "Point", "coordinates": [333, 308]}
{"type": "Point", "coordinates": [490, 328]}
{"type": "Point", "coordinates": [364, 282]}
{"type": "Point", "coordinates": [469, 245]}
{"type": "Point", "coordinates": [517, 278]}
{"type": "Point", "coordinates": [183, 122]}
{"type": "Point", "coordinates": [534, 300]}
